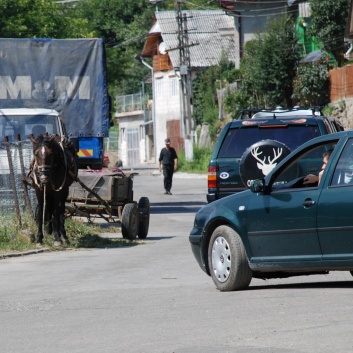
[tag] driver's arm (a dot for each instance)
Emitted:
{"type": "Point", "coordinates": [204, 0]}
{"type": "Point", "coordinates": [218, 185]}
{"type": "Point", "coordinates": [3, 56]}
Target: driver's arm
{"type": "Point", "coordinates": [311, 179]}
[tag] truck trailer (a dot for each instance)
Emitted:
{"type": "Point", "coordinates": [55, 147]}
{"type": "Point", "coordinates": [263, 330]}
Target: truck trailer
{"type": "Point", "coordinates": [64, 75]}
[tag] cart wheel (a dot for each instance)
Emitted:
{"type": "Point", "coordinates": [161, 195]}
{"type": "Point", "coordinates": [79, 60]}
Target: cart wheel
{"type": "Point", "coordinates": [144, 222]}
{"type": "Point", "coordinates": [130, 221]}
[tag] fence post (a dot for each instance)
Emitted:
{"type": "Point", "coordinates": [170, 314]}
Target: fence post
{"type": "Point", "coordinates": [12, 180]}
{"type": "Point", "coordinates": [25, 191]}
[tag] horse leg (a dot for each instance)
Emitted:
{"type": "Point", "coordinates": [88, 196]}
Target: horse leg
{"type": "Point", "coordinates": [62, 228]}
{"type": "Point", "coordinates": [56, 227]}
{"type": "Point", "coordinates": [39, 219]}
{"type": "Point", "coordinates": [48, 222]}
{"type": "Point", "coordinates": [61, 208]}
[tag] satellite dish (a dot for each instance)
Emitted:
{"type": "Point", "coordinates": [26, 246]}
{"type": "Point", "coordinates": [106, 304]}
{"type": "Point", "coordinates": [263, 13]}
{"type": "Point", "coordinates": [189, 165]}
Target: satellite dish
{"type": "Point", "coordinates": [162, 49]}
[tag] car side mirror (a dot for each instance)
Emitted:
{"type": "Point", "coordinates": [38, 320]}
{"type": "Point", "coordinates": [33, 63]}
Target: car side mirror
{"type": "Point", "coordinates": [257, 185]}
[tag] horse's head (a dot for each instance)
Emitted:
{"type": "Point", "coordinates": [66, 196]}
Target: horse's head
{"type": "Point", "coordinates": [44, 154]}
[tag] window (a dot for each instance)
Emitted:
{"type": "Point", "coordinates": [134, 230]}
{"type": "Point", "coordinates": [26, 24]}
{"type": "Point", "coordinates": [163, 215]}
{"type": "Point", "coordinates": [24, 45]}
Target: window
{"type": "Point", "coordinates": [238, 140]}
{"type": "Point", "coordinates": [306, 163]}
{"type": "Point", "coordinates": [159, 88]}
{"type": "Point", "coordinates": [174, 85]}
{"type": "Point", "coordinates": [343, 174]}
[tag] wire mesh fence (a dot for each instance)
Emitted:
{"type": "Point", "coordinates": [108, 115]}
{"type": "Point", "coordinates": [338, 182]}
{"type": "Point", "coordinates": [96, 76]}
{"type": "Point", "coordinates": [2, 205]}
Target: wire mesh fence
{"type": "Point", "coordinates": [15, 196]}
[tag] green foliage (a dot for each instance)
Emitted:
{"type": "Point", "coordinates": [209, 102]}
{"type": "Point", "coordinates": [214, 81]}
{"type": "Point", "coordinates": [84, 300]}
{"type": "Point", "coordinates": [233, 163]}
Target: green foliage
{"type": "Point", "coordinates": [205, 87]}
{"type": "Point", "coordinates": [311, 85]}
{"type": "Point", "coordinates": [200, 161]}
{"type": "Point", "coordinates": [39, 19]}
{"type": "Point", "coordinates": [123, 25]}
{"type": "Point", "coordinates": [328, 110]}
{"type": "Point", "coordinates": [267, 69]}
{"type": "Point", "coordinates": [11, 237]}
{"type": "Point", "coordinates": [328, 24]}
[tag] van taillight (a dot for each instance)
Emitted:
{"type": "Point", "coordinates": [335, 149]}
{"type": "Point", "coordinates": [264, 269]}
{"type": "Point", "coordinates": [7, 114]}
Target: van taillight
{"type": "Point", "coordinates": [212, 177]}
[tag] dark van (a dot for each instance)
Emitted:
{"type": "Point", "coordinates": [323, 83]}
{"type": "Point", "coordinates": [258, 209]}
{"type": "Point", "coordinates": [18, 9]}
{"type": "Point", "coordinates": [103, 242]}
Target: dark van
{"type": "Point", "coordinates": [249, 149]}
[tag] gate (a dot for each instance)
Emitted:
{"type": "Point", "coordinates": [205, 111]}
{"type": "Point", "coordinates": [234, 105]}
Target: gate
{"type": "Point", "coordinates": [133, 147]}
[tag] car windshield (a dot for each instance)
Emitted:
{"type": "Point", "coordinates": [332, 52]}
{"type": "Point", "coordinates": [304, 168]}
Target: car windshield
{"type": "Point", "coordinates": [24, 125]}
{"type": "Point", "coordinates": [238, 140]}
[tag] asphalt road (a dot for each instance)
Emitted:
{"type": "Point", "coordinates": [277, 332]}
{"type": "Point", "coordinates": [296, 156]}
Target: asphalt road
{"type": "Point", "coordinates": [154, 298]}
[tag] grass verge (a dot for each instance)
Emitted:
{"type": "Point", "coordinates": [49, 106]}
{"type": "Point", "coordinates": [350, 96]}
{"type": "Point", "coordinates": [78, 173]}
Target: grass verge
{"type": "Point", "coordinates": [14, 238]}
{"type": "Point", "coordinates": [199, 164]}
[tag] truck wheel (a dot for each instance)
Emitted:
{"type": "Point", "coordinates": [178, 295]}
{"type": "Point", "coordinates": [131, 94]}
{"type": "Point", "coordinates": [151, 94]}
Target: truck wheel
{"type": "Point", "coordinates": [228, 261]}
{"type": "Point", "coordinates": [144, 221]}
{"type": "Point", "coordinates": [129, 221]}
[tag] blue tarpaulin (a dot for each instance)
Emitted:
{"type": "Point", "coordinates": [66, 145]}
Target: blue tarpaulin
{"type": "Point", "coordinates": [68, 75]}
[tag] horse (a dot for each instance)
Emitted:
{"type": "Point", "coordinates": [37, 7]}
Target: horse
{"type": "Point", "coordinates": [53, 169]}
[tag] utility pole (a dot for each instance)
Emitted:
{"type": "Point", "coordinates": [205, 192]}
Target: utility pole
{"type": "Point", "coordinates": [185, 75]}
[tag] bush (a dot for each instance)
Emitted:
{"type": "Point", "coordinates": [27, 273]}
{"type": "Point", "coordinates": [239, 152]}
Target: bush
{"type": "Point", "coordinates": [202, 156]}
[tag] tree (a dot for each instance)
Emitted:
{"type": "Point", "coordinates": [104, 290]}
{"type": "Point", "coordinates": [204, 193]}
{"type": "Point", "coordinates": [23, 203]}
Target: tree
{"type": "Point", "coordinates": [328, 23]}
{"type": "Point", "coordinates": [268, 68]}
{"type": "Point", "coordinates": [123, 25]}
{"type": "Point", "coordinates": [39, 19]}
{"type": "Point", "coordinates": [205, 87]}
{"type": "Point", "coordinates": [311, 86]}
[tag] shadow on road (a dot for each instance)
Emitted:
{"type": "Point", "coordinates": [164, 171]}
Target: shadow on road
{"type": "Point", "coordinates": [176, 207]}
{"type": "Point", "coordinates": [314, 285]}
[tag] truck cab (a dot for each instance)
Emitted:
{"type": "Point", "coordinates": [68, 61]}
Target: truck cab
{"type": "Point", "coordinates": [23, 122]}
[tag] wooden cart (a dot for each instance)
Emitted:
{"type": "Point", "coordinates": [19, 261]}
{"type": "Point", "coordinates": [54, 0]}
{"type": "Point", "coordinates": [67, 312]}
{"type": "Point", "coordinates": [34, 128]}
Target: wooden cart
{"type": "Point", "coordinates": [110, 196]}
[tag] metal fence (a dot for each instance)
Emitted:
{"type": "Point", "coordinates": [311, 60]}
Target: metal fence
{"type": "Point", "coordinates": [15, 196]}
{"type": "Point", "coordinates": [130, 103]}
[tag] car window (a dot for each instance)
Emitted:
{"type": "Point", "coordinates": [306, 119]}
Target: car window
{"type": "Point", "coordinates": [309, 162]}
{"type": "Point", "coordinates": [239, 139]}
{"type": "Point", "coordinates": [343, 174]}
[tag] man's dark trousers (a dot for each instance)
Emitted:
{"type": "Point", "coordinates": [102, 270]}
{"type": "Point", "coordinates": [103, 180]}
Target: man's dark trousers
{"type": "Point", "coordinates": [168, 170]}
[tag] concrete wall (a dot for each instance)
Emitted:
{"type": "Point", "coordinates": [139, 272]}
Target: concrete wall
{"type": "Point", "coordinates": [129, 121]}
{"type": "Point", "coordinates": [167, 104]}
{"type": "Point", "coordinates": [344, 112]}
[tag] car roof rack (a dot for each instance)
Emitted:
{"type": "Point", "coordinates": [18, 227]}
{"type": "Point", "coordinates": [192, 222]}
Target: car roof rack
{"type": "Point", "coordinates": [246, 113]}
{"type": "Point", "coordinates": [296, 110]}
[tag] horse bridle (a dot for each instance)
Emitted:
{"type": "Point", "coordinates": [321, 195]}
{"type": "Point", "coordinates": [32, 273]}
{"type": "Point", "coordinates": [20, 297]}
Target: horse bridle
{"type": "Point", "coordinates": [48, 169]}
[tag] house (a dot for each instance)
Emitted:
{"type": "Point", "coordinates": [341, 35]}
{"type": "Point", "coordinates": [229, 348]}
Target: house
{"type": "Point", "coordinates": [210, 35]}
{"type": "Point", "coordinates": [251, 17]}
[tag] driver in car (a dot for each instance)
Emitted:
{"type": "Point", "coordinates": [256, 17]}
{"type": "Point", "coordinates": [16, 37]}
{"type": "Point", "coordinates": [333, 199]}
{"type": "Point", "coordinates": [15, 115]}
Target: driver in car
{"type": "Point", "coordinates": [315, 179]}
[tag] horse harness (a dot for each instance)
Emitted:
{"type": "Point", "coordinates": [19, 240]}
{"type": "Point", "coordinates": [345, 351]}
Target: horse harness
{"type": "Point", "coordinates": [47, 169]}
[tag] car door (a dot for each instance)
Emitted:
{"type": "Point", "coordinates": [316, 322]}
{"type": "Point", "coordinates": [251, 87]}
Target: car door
{"type": "Point", "coordinates": [335, 208]}
{"type": "Point", "coordinates": [281, 223]}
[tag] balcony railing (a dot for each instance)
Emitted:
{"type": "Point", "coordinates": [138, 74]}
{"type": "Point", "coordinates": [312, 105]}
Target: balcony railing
{"type": "Point", "coordinates": [131, 103]}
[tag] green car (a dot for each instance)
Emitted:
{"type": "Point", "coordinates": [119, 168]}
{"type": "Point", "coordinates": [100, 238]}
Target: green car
{"type": "Point", "coordinates": [283, 225]}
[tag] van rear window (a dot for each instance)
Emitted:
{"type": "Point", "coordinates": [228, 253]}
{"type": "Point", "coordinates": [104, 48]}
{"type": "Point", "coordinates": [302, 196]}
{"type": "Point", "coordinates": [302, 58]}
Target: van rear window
{"type": "Point", "coordinates": [238, 140]}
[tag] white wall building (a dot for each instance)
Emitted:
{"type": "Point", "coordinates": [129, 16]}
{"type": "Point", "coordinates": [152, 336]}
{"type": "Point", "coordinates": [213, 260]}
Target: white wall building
{"type": "Point", "coordinates": [211, 34]}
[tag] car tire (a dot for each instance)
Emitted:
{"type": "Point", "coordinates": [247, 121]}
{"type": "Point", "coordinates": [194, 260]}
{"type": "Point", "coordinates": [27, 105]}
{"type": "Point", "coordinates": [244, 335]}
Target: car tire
{"type": "Point", "coordinates": [144, 219]}
{"type": "Point", "coordinates": [228, 261]}
{"type": "Point", "coordinates": [129, 221]}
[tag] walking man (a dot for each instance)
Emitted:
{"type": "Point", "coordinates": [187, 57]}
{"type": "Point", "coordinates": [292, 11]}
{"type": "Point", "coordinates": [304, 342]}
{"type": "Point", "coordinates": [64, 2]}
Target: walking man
{"type": "Point", "coordinates": [169, 160]}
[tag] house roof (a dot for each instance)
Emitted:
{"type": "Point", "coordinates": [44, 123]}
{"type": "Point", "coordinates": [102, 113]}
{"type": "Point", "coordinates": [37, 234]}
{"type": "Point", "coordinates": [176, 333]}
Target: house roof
{"type": "Point", "coordinates": [211, 31]}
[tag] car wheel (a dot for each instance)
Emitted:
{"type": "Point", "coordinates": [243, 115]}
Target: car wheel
{"type": "Point", "coordinates": [129, 221]}
{"type": "Point", "coordinates": [144, 220]}
{"type": "Point", "coordinates": [228, 261]}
